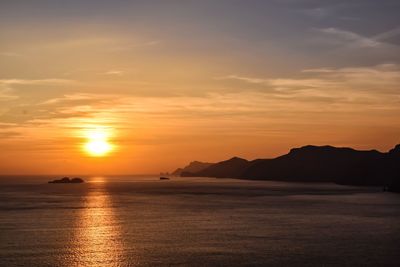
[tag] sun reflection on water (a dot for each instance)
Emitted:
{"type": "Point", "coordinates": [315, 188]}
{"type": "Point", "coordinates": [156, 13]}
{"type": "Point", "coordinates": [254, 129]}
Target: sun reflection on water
{"type": "Point", "coordinates": [98, 179]}
{"type": "Point", "coordinates": [98, 235]}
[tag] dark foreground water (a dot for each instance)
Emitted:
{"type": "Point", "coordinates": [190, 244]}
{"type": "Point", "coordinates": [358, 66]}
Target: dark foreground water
{"type": "Point", "coordinates": [195, 222]}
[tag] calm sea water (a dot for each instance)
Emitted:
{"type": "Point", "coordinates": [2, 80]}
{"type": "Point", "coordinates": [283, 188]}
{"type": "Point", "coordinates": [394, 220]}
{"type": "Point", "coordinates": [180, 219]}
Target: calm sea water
{"type": "Point", "coordinates": [142, 221]}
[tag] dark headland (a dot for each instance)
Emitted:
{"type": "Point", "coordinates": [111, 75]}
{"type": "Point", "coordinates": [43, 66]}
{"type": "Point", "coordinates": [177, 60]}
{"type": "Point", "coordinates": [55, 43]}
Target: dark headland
{"type": "Point", "coordinates": [67, 180]}
{"type": "Point", "coordinates": [339, 165]}
{"type": "Point", "coordinates": [193, 167]}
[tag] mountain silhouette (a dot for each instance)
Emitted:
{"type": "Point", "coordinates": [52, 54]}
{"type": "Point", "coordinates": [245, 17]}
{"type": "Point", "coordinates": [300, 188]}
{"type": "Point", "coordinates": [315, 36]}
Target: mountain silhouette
{"type": "Point", "coordinates": [315, 164]}
{"type": "Point", "coordinates": [395, 151]}
{"type": "Point", "coordinates": [230, 168]}
{"type": "Point", "coordinates": [393, 169]}
{"type": "Point", "coordinates": [193, 167]}
{"type": "Point", "coordinates": [321, 164]}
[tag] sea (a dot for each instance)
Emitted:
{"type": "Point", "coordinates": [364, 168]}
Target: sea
{"type": "Point", "coordinates": [145, 221]}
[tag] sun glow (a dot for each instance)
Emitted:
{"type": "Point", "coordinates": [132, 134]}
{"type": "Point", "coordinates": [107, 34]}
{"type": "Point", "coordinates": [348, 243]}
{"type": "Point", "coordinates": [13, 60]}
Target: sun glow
{"type": "Point", "coordinates": [97, 144]}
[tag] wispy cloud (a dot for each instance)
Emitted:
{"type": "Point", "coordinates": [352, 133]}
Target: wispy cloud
{"type": "Point", "coordinates": [113, 43]}
{"type": "Point", "coordinates": [77, 97]}
{"type": "Point", "coordinates": [353, 84]}
{"type": "Point", "coordinates": [130, 45]}
{"type": "Point", "coordinates": [387, 34]}
{"type": "Point", "coordinates": [362, 87]}
{"type": "Point", "coordinates": [343, 37]}
{"type": "Point", "coordinates": [114, 72]}
{"type": "Point", "coordinates": [35, 81]}
{"type": "Point", "coordinates": [9, 134]}
{"type": "Point", "coordinates": [340, 37]}
{"type": "Point", "coordinates": [84, 41]}
{"type": "Point", "coordinates": [10, 54]}
{"type": "Point", "coordinates": [103, 43]}
{"type": "Point", "coordinates": [325, 97]}
{"type": "Point", "coordinates": [310, 90]}
{"type": "Point", "coordinates": [317, 12]}
{"type": "Point", "coordinates": [243, 78]}
{"type": "Point", "coordinates": [6, 94]}
{"type": "Point", "coordinates": [384, 74]}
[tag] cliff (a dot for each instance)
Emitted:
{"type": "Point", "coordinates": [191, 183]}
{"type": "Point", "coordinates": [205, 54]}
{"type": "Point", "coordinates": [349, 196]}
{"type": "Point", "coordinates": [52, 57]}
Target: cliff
{"type": "Point", "coordinates": [314, 164]}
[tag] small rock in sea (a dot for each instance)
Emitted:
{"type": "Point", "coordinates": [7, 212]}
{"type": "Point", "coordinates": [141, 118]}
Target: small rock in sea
{"type": "Point", "coordinates": [67, 180]}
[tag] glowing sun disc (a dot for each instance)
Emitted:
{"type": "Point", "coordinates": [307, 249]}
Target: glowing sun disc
{"type": "Point", "coordinates": [98, 148]}
{"type": "Point", "coordinates": [97, 144]}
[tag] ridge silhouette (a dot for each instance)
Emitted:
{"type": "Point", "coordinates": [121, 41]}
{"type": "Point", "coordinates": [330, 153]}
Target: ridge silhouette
{"type": "Point", "coordinates": [341, 165]}
{"type": "Point", "coordinates": [193, 167]}
{"type": "Point", "coordinates": [223, 169]}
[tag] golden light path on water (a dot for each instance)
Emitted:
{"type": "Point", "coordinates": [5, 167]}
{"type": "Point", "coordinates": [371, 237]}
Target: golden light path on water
{"type": "Point", "coordinates": [98, 239]}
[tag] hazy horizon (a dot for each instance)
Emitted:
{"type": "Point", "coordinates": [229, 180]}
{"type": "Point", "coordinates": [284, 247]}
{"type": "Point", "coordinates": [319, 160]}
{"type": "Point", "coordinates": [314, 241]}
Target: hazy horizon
{"type": "Point", "coordinates": [100, 173]}
{"type": "Point", "coordinates": [131, 87]}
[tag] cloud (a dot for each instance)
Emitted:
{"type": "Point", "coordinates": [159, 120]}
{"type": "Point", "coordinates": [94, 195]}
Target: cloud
{"type": "Point", "coordinates": [243, 78]}
{"type": "Point", "coordinates": [310, 90]}
{"type": "Point", "coordinates": [7, 95]}
{"type": "Point", "coordinates": [324, 97]}
{"type": "Point", "coordinates": [333, 10]}
{"type": "Point", "coordinates": [339, 37]}
{"type": "Point", "coordinates": [357, 85]}
{"type": "Point", "coordinates": [113, 43]}
{"type": "Point", "coordinates": [115, 72]}
{"type": "Point", "coordinates": [387, 34]}
{"type": "Point", "coordinates": [386, 75]}
{"type": "Point", "coordinates": [343, 37]}
{"type": "Point", "coordinates": [7, 90]}
{"type": "Point", "coordinates": [79, 97]}
{"type": "Point", "coordinates": [150, 43]}
{"type": "Point", "coordinates": [7, 125]}
{"type": "Point", "coordinates": [317, 12]}
{"type": "Point", "coordinates": [10, 54]}
{"type": "Point", "coordinates": [35, 81]}
{"type": "Point", "coordinates": [366, 87]}
{"type": "Point", "coordinates": [129, 45]}
{"type": "Point", "coordinates": [290, 83]}
{"type": "Point", "coordinates": [318, 92]}
{"type": "Point", "coordinates": [80, 42]}
{"type": "Point", "coordinates": [9, 134]}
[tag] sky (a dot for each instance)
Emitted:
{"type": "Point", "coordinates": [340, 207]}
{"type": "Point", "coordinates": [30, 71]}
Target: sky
{"type": "Point", "coordinates": [169, 81]}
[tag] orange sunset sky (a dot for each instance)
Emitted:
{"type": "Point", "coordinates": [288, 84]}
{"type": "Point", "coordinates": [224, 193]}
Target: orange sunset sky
{"type": "Point", "coordinates": [168, 82]}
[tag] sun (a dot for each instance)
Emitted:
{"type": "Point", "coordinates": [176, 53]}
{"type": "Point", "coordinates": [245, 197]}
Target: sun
{"type": "Point", "coordinates": [97, 144]}
{"type": "Point", "coordinates": [97, 148]}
